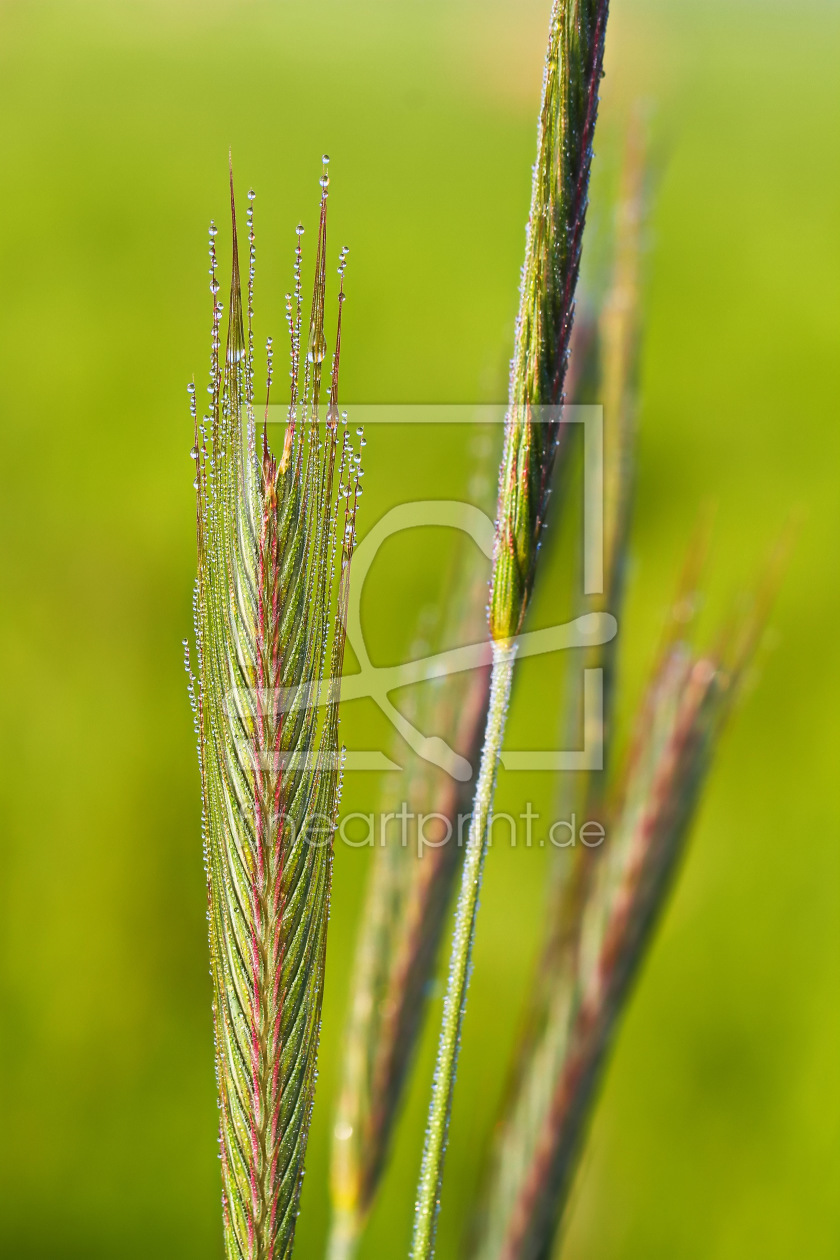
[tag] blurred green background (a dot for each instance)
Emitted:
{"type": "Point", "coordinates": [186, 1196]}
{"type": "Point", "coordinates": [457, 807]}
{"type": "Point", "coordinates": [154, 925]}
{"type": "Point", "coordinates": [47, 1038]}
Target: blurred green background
{"type": "Point", "coordinates": [717, 1130]}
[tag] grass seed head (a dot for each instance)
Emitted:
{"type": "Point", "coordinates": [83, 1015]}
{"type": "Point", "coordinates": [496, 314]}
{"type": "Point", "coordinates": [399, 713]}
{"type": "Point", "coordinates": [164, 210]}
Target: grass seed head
{"type": "Point", "coordinates": [274, 545]}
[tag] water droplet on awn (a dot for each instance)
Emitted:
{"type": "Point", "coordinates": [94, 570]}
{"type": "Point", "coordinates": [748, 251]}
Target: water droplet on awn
{"type": "Point", "coordinates": [318, 350]}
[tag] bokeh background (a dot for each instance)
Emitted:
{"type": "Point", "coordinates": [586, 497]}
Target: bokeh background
{"type": "Point", "coordinates": [716, 1134]}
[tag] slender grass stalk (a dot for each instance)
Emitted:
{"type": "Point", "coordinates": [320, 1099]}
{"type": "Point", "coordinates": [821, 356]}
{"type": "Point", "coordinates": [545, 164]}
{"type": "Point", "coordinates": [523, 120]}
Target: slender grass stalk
{"type": "Point", "coordinates": [619, 333]}
{"type": "Point", "coordinates": [544, 1032]}
{"type": "Point", "coordinates": [574, 62]}
{"type": "Point", "coordinates": [617, 353]}
{"type": "Point", "coordinates": [275, 539]}
{"type": "Point", "coordinates": [617, 339]}
{"type": "Point", "coordinates": [428, 1195]}
{"type": "Point", "coordinates": [408, 894]}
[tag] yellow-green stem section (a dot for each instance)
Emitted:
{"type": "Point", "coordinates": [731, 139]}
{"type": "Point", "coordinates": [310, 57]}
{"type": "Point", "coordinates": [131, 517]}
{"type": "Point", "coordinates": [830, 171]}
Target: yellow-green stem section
{"type": "Point", "coordinates": [344, 1236]}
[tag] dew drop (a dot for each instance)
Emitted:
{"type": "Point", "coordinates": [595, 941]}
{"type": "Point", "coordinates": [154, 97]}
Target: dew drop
{"type": "Point", "coordinates": [317, 351]}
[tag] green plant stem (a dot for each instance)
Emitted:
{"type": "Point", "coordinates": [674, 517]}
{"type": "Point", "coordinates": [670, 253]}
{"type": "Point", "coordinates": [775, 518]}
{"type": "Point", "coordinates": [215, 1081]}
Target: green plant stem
{"type": "Point", "coordinates": [454, 1003]}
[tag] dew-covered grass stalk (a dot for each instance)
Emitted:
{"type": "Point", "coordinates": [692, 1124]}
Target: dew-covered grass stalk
{"type": "Point", "coordinates": [428, 1194]}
